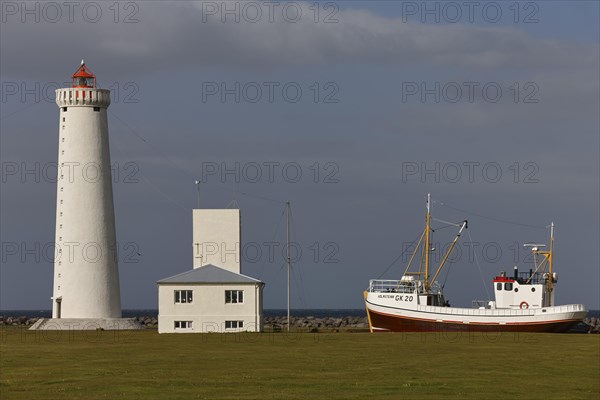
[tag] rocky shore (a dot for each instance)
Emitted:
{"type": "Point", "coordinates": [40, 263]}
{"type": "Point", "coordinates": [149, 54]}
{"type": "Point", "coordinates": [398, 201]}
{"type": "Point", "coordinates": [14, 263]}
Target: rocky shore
{"type": "Point", "coordinates": [315, 324]}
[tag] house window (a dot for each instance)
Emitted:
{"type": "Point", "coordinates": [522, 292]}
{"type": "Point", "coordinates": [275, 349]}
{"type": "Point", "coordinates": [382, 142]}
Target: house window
{"type": "Point", "coordinates": [234, 324]}
{"type": "Point", "coordinates": [183, 296]}
{"type": "Point", "coordinates": [183, 324]}
{"type": "Point", "coordinates": [234, 296]}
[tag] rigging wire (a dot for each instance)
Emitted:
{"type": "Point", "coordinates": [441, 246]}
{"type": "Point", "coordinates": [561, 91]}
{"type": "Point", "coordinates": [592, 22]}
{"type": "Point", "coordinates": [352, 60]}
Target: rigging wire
{"type": "Point", "coordinates": [262, 267]}
{"type": "Point", "coordinates": [148, 181]}
{"type": "Point", "coordinates": [489, 218]}
{"type": "Point", "coordinates": [479, 267]}
{"type": "Point", "coordinates": [397, 258]}
{"type": "Point", "coordinates": [451, 263]}
{"type": "Point", "coordinates": [180, 168]}
{"type": "Point", "coordinates": [18, 111]}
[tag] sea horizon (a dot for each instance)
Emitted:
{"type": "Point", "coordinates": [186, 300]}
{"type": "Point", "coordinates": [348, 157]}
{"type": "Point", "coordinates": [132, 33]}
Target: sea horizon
{"type": "Point", "coordinates": [268, 312]}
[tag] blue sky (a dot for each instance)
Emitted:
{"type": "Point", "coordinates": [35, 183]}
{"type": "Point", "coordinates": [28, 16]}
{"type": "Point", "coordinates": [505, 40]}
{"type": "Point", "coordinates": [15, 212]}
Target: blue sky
{"type": "Point", "coordinates": [362, 134]}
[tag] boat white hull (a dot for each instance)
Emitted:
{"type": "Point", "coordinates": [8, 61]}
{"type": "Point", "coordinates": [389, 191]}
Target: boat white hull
{"type": "Point", "coordinates": [388, 315]}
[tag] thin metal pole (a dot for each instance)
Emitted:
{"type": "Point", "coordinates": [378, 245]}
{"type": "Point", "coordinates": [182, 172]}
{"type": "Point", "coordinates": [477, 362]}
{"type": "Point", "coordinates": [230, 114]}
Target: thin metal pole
{"type": "Point", "coordinates": [289, 264]}
{"type": "Point", "coordinates": [427, 243]}
{"type": "Point", "coordinates": [198, 188]}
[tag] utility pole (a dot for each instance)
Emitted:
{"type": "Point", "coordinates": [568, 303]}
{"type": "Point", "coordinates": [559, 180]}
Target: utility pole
{"type": "Point", "coordinates": [289, 262]}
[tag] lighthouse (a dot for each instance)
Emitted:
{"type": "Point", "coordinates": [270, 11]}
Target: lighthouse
{"type": "Point", "coordinates": [86, 293]}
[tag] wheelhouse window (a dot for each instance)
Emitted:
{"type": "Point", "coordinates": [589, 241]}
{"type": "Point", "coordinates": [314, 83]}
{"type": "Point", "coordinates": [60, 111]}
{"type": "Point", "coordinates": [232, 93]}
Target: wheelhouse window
{"type": "Point", "coordinates": [234, 324]}
{"type": "Point", "coordinates": [498, 286]}
{"type": "Point", "coordinates": [183, 296]}
{"type": "Point", "coordinates": [234, 296]}
{"type": "Point", "coordinates": [508, 286]}
{"type": "Point", "coordinates": [183, 325]}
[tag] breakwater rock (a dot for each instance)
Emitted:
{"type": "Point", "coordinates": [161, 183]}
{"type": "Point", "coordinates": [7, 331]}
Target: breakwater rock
{"type": "Point", "coordinates": [316, 323]}
{"type": "Point", "coordinates": [593, 324]}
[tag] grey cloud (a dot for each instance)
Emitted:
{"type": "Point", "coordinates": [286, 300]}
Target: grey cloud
{"type": "Point", "coordinates": [152, 44]}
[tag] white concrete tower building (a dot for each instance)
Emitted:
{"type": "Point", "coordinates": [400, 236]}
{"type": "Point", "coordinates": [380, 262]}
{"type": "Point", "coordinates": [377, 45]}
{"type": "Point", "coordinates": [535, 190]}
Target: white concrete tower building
{"type": "Point", "coordinates": [86, 276]}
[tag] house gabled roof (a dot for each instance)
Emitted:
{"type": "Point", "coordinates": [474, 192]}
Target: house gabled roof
{"type": "Point", "coordinates": [209, 274]}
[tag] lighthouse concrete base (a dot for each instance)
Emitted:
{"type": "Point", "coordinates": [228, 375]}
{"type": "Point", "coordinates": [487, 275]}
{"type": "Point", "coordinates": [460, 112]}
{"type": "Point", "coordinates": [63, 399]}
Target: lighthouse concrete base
{"type": "Point", "coordinates": [86, 324]}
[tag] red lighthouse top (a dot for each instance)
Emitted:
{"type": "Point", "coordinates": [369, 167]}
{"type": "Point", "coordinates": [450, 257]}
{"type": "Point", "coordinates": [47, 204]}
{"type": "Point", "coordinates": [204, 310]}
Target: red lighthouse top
{"type": "Point", "coordinates": [83, 77]}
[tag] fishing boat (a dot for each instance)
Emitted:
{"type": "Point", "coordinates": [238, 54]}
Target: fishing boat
{"type": "Point", "coordinates": [524, 301]}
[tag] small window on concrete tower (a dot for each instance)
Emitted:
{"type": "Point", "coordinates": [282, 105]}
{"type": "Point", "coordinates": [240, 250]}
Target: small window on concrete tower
{"type": "Point", "coordinates": [97, 109]}
{"type": "Point", "coordinates": [64, 109]}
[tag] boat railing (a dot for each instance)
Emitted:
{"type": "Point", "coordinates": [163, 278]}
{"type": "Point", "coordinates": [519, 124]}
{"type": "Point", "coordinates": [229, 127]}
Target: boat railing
{"type": "Point", "coordinates": [568, 308]}
{"type": "Point", "coordinates": [391, 286]}
{"type": "Point", "coordinates": [480, 304]}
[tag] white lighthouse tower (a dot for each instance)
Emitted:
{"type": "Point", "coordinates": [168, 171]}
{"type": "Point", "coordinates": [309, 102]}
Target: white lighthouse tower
{"type": "Point", "coordinates": [86, 291]}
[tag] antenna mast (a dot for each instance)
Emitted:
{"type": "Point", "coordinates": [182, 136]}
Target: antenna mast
{"type": "Point", "coordinates": [289, 262]}
{"type": "Point", "coordinates": [427, 243]}
{"type": "Point", "coordinates": [550, 257]}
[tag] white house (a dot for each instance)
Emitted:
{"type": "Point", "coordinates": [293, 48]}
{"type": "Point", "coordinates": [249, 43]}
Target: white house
{"type": "Point", "coordinates": [213, 296]}
{"type": "Point", "coordinates": [209, 299]}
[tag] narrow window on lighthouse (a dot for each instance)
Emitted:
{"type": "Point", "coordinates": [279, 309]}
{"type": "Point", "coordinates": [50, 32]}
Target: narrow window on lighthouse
{"type": "Point", "coordinates": [97, 109]}
{"type": "Point", "coordinates": [64, 109]}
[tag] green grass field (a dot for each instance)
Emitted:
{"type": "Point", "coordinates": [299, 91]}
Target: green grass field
{"type": "Point", "coordinates": [145, 365]}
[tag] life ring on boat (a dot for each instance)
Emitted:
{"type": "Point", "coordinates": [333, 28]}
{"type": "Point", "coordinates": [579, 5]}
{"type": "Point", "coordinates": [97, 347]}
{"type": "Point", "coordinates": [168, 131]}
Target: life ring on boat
{"type": "Point", "coordinates": [524, 305]}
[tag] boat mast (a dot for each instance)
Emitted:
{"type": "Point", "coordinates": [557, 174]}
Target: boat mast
{"type": "Point", "coordinates": [427, 244]}
{"type": "Point", "coordinates": [550, 257]}
{"type": "Point", "coordinates": [289, 263]}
